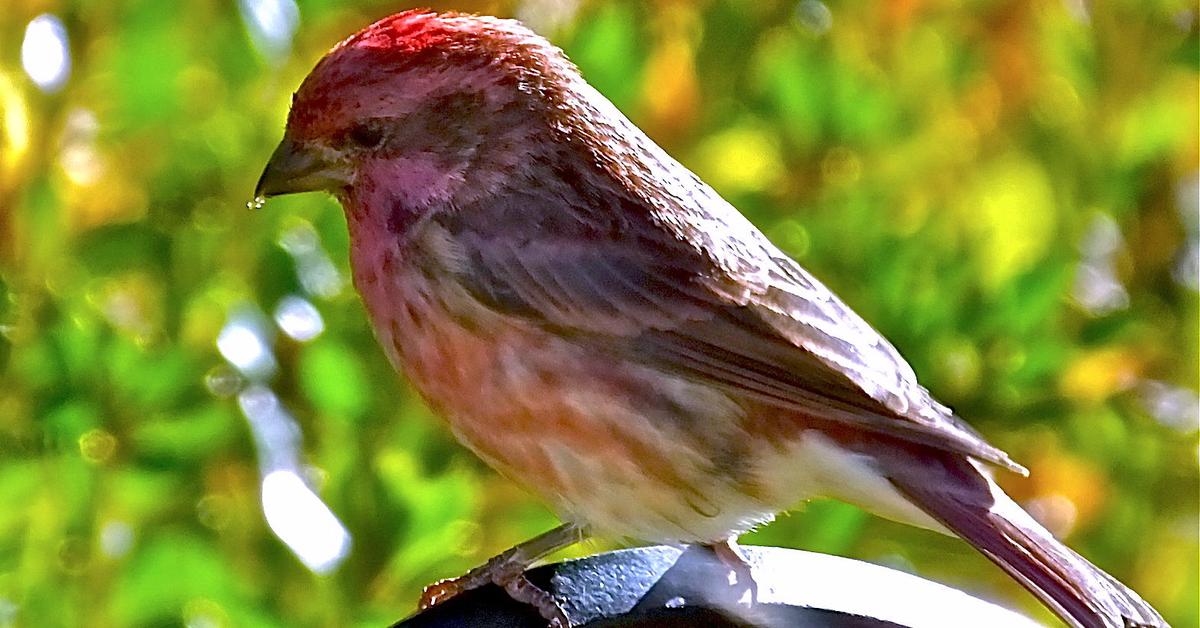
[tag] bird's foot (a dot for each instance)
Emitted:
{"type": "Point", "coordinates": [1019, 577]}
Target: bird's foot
{"type": "Point", "coordinates": [521, 589]}
{"type": "Point", "coordinates": [507, 570]}
{"type": "Point", "coordinates": [515, 584]}
{"type": "Point", "coordinates": [740, 572]}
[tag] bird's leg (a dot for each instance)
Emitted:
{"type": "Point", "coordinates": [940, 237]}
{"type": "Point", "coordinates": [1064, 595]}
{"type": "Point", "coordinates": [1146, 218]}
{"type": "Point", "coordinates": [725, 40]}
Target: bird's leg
{"type": "Point", "coordinates": [507, 570]}
{"type": "Point", "coordinates": [740, 571]}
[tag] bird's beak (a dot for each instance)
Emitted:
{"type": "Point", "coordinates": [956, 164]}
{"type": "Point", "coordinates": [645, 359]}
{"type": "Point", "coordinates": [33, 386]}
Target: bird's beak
{"type": "Point", "coordinates": [296, 167]}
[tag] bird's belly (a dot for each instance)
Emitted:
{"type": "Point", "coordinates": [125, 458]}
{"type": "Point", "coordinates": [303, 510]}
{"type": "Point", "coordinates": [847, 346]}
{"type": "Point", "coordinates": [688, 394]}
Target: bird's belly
{"type": "Point", "coordinates": [622, 448]}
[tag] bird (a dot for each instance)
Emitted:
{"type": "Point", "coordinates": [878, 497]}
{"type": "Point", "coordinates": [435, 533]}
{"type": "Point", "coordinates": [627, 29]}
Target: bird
{"type": "Point", "coordinates": [600, 326]}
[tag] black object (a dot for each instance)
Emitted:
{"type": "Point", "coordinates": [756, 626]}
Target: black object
{"type": "Point", "coordinates": [667, 586]}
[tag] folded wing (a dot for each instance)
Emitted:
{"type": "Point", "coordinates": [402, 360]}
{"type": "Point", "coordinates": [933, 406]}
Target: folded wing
{"type": "Point", "coordinates": [760, 328]}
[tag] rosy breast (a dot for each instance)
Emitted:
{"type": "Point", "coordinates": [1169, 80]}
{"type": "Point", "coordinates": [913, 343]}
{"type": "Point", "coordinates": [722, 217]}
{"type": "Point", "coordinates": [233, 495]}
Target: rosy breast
{"type": "Point", "coordinates": [625, 449]}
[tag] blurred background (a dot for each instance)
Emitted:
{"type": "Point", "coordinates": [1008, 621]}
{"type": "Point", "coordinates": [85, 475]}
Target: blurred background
{"type": "Point", "coordinates": [197, 429]}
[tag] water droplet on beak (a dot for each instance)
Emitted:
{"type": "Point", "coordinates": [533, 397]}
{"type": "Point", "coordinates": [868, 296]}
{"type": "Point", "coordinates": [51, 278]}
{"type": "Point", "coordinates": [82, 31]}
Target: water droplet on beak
{"type": "Point", "coordinates": [256, 203]}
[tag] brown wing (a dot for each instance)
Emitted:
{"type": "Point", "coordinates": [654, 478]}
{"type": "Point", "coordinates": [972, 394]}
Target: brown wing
{"type": "Point", "coordinates": [723, 307]}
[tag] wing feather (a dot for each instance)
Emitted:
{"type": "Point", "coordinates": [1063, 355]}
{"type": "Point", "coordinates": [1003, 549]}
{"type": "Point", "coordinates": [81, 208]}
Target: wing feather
{"type": "Point", "coordinates": [768, 331]}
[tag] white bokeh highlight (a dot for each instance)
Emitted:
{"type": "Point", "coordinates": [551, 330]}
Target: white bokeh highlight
{"type": "Point", "coordinates": [298, 319]}
{"type": "Point", "coordinates": [116, 539]}
{"type": "Point", "coordinates": [46, 53]}
{"type": "Point", "coordinates": [271, 24]}
{"type": "Point", "coordinates": [243, 342]}
{"type": "Point", "coordinates": [318, 276]}
{"type": "Point", "coordinates": [292, 509]}
{"type": "Point", "coordinates": [303, 522]}
{"type": "Point", "coordinates": [1097, 286]}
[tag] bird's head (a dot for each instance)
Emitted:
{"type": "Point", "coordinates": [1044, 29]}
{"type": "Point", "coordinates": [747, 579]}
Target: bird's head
{"type": "Point", "coordinates": [420, 105]}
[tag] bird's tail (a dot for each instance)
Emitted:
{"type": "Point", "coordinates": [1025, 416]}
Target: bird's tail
{"type": "Point", "coordinates": [979, 512]}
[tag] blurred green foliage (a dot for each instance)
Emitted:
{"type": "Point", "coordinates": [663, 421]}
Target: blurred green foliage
{"type": "Point", "coordinates": [1007, 189]}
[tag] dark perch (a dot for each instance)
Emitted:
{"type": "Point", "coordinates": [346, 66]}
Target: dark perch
{"type": "Point", "coordinates": [664, 586]}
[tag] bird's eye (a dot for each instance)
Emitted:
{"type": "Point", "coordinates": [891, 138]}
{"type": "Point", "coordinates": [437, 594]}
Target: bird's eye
{"type": "Point", "coordinates": [365, 135]}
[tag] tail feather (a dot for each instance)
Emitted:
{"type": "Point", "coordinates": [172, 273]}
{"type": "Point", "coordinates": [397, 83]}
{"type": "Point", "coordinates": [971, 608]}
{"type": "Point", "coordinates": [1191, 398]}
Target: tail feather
{"type": "Point", "coordinates": [1076, 590]}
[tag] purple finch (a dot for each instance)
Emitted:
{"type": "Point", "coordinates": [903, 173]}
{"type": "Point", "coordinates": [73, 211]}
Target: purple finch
{"type": "Point", "coordinates": [599, 325]}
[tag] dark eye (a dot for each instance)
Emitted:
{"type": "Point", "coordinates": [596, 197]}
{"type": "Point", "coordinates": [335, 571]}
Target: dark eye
{"type": "Point", "coordinates": [365, 135]}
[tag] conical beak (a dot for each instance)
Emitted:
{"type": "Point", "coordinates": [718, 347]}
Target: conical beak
{"type": "Point", "coordinates": [295, 168]}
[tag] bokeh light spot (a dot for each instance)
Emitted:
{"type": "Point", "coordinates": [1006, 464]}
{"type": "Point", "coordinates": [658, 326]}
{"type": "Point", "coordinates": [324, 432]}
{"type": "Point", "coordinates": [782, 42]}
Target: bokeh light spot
{"type": "Point", "coordinates": [116, 538]}
{"type": "Point", "coordinates": [45, 53]}
{"type": "Point", "coordinates": [741, 159]}
{"type": "Point", "coordinates": [73, 555]}
{"type": "Point", "coordinates": [97, 446]}
{"type": "Point", "coordinates": [14, 126]}
{"type": "Point", "coordinates": [814, 16]}
{"type": "Point", "coordinates": [204, 613]}
{"type": "Point", "coordinates": [318, 276]}
{"type": "Point", "coordinates": [79, 158]}
{"type": "Point", "coordinates": [271, 24]}
{"type": "Point", "coordinates": [223, 381]}
{"type": "Point", "coordinates": [1175, 407]}
{"type": "Point", "coordinates": [299, 319]}
{"type": "Point", "coordinates": [213, 512]}
{"type": "Point", "coordinates": [1097, 287]}
{"type": "Point", "coordinates": [303, 522]}
{"type": "Point", "coordinates": [243, 342]}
